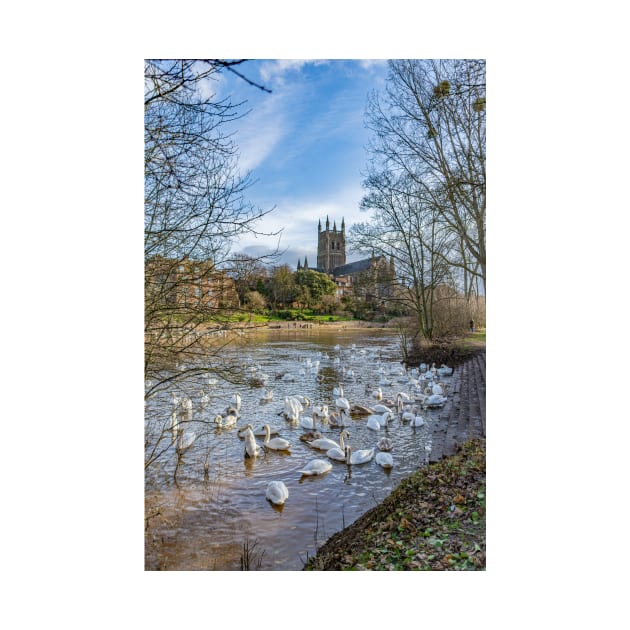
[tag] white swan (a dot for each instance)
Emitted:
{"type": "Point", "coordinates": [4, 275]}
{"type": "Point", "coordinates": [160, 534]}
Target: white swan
{"type": "Point", "coordinates": [224, 422]}
{"type": "Point", "coordinates": [362, 456]}
{"type": "Point", "coordinates": [385, 460]}
{"type": "Point", "coordinates": [304, 400]}
{"type": "Point", "coordinates": [321, 411]}
{"type": "Point", "coordinates": [385, 444]}
{"type": "Point", "coordinates": [277, 492]}
{"type": "Point", "coordinates": [187, 403]}
{"type": "Point", "coordinates": [185, 440]}
{"type": "Point", "coordinates": [252, 449]}
{"type": "Point", "coordinates": [325, 444]}
{"type": "Point", "coordinates": [292, 409]}
{"type": "Point", "coordinates": [418, 421]}
{"type": "Point", "coordinates": [338, 391]}
{"type": "Point", "coordinates": [259, 430]}
{"type": "Point", "coordinates": [309, 423]}
{"type": "Point", "coordinates": [381, 409]}
{"type": "Point", "coordinates": [316, 467]}
{"type": "Point", "coordinates": [267, 396]}
{"type": "Point", "coordinates": [407, 416]}
{"type": "Point", "coordinates": [204, 398]}
{"type": "Point", "coordinates": [373, 423]}
{"type": "Point", "coordinates": [342, 403]}
{"type": "Point", "coordinates": [236, 401]}
{"type": "Point", "coordinates": [435, 400]}
{"type": "Point", "coordinates": [339, 452]}
{"type": "Point", "coordinates": [444, 370]}
{"type": "Point", "coordinates": [377, 393]}
{"type": "Point", "coordinates": [275, 444]}
{"type": "Point", "coordinates": [336, 419]}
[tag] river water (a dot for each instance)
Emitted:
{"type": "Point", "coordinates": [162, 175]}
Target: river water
{"type": "Point", "coordinates": [213, 515]}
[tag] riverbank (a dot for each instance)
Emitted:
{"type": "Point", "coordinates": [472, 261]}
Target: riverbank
{"type": "Point", "coordinates": [435, 520]}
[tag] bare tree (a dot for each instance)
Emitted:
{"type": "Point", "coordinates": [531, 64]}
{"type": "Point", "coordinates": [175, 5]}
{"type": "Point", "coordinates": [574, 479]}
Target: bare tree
{"type": "Point", "coordinates": [430, 125]}
{"type": "Point", "coordinates": [195, 208]}
{"type": "Point", "coordinates": [404, 227]}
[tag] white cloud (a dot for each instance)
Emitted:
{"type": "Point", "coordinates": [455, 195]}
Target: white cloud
{"type": "Point", "coordinates": [276, 70]}
{"type": "Point", "coordinates": [298, 219]}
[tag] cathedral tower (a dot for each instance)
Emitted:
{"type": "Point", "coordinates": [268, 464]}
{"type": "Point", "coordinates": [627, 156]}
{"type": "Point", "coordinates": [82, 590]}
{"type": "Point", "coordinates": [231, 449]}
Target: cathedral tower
{"type": "Point", "coordinates": [331, 246]}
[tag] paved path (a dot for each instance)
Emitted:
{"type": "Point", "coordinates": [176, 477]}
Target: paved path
{"type": "Point", "coordinates": [464, 415]}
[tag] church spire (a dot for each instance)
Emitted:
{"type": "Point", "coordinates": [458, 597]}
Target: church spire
{"type": "Point", "coordinates": [319, 225]}
{"type": "Point", "coordinates": [343, 225]}
{"type": "Point", "coordinates": [327, 223]}
{"type": "Point", "coordinates": [334, 226]}
{"type": "Point", "coordinates": [305, 262]}
{"type": "Point", "coordinates": [299, 265]}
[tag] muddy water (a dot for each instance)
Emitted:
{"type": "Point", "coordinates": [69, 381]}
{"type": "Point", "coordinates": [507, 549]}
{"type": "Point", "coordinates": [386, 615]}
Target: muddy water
{"type": "Point", "coordinates": [214, 514]}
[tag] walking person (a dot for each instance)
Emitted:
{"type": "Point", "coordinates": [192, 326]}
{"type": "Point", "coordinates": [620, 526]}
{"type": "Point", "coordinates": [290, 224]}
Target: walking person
{"type": "Point", "coordinates": [472, 326]}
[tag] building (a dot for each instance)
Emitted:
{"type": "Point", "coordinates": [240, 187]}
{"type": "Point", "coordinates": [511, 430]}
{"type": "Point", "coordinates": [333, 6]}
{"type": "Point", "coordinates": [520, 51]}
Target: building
{"type": "Point", "coordinates": [188, 283]}
{"type": "Point", "coordinates": [367, 278]}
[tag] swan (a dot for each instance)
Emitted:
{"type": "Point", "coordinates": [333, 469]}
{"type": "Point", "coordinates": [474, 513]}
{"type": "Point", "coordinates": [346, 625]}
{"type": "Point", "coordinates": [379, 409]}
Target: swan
{"type": "Point", "coordinates": [252, 449]}
{"type": "Point", "coordinates": [174, 399]}
{"type": "Point", "coordinates": [275, 444]}
{"type": "Point", "coordinates": [338, 391]}
{"type": "Point", "coordinates": [226, 421]}
{"type": "Point", "coordinates": [321, 411]}
{"type": "Point", "coordinates": [342, 403]}
{"type": "Point", "coordinates": [377, 393]}
{"type": "Point", "coordinates": [336, 419]}
{"type": "Point", "coordinates": [362, 456]}
{"type": "Point", "coordinates": [187, 403]}
{"type": "Point", "coordinates": [325, 444]}
{"type": "Point", "coordinates": [310, 436]}
{"type": "Point", "coordinates": [437, 388]}
{"type": "Point", "coordinates": [382, 409]}
{"type": "Point", "coordinates": [418, 421]}
{"type": "Point", "coordinates": [236, 401]}
{"type": "Point", "coordinates": [402, 399]}
{"type": "Point", "coordinates": [385, 444]}
{"type": "Point", "coordinates": [444, 370]}
{"type": "Point", "coordinates": [277, 492]}
{"type": "Point", "coordinates": [373, 423]}
{"type": "Point", "coordinates": [267, 396]}
{"type": "Point", "coordinates": [435, 400]}
{"type": "Point", "coordinates": [204, 398]}
{"type": "Point", "coordinates": [339, 452]}
{"type": "Point", "coordinates": [309, 424]}
{"type": "Point", "coordinates": [385, 460]}
{"type": "Point", "coordinates": [361, 410]}
{"type": "Point", "coordinates": [292, 409]}
{"type": "Point", "coordinates": [260, 431]}
{"type": "Point", "coordinates": [407, 416]}
{"type": "Point", "coordinates": [303, 400]}
{"type": "Point", "coordinates": [185, 440]}
{"type": "Point", "coordinates": [316, 467]}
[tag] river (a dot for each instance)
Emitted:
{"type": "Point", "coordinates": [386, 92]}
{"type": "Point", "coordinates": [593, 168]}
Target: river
{"type": "Point", "coordinates": [214, 515]}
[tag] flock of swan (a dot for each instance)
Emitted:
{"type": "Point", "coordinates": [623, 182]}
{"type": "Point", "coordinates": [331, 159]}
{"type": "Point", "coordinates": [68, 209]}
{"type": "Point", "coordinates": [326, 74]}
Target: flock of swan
{"type": "Point", "coordinates": [425, 391]}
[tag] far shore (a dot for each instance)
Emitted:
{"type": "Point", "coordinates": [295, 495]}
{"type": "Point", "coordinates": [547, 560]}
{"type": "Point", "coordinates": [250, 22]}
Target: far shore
{"type": "Point", "coordinates": [309, 326]}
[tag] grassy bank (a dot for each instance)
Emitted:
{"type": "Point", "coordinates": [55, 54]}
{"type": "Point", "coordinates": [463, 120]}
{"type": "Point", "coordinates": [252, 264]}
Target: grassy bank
{"type": "Point", "coordinates": [435, 520]}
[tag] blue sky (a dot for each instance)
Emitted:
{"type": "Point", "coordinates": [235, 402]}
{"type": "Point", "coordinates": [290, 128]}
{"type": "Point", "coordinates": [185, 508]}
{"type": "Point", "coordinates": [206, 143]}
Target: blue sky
{"type": "Point", "coordinates": [305, 145]}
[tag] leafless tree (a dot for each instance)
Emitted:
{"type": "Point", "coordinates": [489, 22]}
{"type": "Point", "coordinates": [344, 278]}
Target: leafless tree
{"type": "Point", "coordinates": [195, 209]}
{"type": "Point", "coordinates": [404, 227]}
{"type": "Point", "coordinates": [430, 126]}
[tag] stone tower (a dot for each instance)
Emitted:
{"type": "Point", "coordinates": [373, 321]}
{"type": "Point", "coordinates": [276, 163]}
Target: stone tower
{"type": "Point", "coordinates": [331, 246]}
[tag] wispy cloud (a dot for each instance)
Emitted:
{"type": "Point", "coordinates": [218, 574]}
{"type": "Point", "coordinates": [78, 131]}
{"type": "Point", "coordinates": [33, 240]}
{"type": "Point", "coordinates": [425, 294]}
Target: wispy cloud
{"type": "Point", "coordinates": [275, 71]}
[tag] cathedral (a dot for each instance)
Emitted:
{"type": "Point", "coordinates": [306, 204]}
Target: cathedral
{"type": "Point", "coordinates": [331, 259]}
